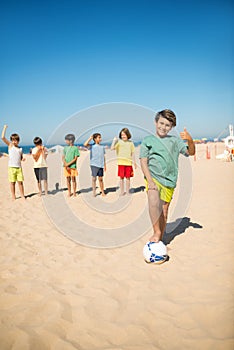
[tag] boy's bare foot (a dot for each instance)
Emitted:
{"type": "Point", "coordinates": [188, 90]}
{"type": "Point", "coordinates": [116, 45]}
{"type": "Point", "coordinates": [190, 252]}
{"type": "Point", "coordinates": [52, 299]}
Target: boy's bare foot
{"type": "Point", "coordinates": [74, 194]}
{"type": "Point", "coordinates": [122, 194]}
{"type": "Point", "coordinates": [13, 198]}
{"type": "Point", "coordinates": [69, 194]}
{"type": "Point", "coordinates": [154, 238]}
{"type": "Point", "coordinates": [103, 194]}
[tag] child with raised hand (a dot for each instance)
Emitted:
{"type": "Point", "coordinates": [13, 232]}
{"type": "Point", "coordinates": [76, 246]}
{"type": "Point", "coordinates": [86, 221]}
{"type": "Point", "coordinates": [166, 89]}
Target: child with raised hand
{"type": "Point", "coordinates": [15, 173]}
{"type": "Point", "coordinates": [125, 149]}
{"type": "Point", "coordinates": [97, 161]}
{"type": "Point", "coordinates": [39, 154]}
{"type": "Point", "coordinates": [70, 155]}
{"type": "Point", "coordinates": [159, 155]}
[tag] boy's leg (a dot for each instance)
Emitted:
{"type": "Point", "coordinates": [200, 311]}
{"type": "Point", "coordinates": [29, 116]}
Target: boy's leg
{"type": "Point", "coordinates": [12, 186]}
{"type": "Point", "coordinates": [74, 185]}
{"type": "Point", "coordinates": [94, 178]}
{"type": "Point", "coordinates": [121, 186]}
{"type": "Point", "coordinates": [127, 185]}
{"type": "Point", "coordinates": [46, 187]}
{"type": "Point", "coordinates": [21, 188]}
{"type": "Point", "coordinates": [69, 185]}
{"type": "Point", "coordinates": [39, 188]}
{"type": "Point", "coordinates": [101, 184]}
{"type": "Point", "coordinates": [163, 221]}
{"type": "Point", "coordinates": [156, 214]}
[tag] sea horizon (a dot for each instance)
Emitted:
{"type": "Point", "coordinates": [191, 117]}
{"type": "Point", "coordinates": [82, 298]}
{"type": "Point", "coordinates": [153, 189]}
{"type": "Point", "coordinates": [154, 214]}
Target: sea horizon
{"type": "Point", "coordinates": [27, 147]}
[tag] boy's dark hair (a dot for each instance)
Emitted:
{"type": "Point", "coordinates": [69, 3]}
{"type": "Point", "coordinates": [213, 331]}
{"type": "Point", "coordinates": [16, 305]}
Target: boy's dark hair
{"type": "Point", "coordinates": [15, 137]}
{"type": "Point", "coordinates": [127, 132]}
{"type": "Point", "coordinates": [37, 141]}
{"type": "Point", "coordinates": [96, 135]}
{"type": "Point", "coordinates": [70, 137]}
{"type": "Point", "coordinates": [167, 114]}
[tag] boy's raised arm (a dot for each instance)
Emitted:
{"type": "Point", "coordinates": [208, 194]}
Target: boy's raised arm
{"type": "Point", "coordinates": [4, 139]}
{"type": "Point", "coordinates": [185, 135]}
{"type": "Point", "coordinates": [86, 144]}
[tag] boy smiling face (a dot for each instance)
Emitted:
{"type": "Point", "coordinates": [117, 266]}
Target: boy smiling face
{"type": "Point", "coordinates": [163, 126]}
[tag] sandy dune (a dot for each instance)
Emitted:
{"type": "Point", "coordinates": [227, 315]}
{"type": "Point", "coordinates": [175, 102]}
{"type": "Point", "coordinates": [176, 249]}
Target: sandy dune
{"type": "Point", "coordinates": [60, 295]}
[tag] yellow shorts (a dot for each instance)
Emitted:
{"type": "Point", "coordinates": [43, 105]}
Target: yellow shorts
{"type": "Point", "coordinates": [165, 193]}
{"type": "Point", "coordinates": [71, 172]}
{"type": "Point", "coordinates": [15, 174]}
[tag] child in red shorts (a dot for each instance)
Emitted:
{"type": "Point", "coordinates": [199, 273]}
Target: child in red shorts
{"type": "Point", "coordinates": [125, 149]}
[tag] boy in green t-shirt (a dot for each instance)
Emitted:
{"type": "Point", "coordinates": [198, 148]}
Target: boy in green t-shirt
{"type": "Point", "coordinates": [159, 162]}
{"type": "Point", "coordinates": [70, 155]}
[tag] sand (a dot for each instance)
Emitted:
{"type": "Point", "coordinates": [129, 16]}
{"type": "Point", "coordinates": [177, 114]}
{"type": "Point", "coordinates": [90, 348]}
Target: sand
{"type": "Point", "coordinates": [59, 295]}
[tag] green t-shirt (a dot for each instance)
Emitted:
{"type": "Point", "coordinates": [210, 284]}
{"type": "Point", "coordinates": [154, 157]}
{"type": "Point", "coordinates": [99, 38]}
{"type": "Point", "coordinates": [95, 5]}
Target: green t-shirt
{"type": "Point", "coordinates": [70, 152]}
{"type": "Point", "coordinates": [163, 154]}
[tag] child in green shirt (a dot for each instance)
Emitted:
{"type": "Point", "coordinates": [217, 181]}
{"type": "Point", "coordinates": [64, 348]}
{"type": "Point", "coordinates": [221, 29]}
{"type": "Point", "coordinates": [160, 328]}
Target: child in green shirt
{"type": "Point", "coordinates": [159, 162]}
{"type": "Point", "coordinates": [70, 155]}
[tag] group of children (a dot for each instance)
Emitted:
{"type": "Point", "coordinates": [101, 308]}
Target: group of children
{"type": "Point", "coordinates": [159, 155]}
{"type": "Point", "coordinates": [15, 173]}
{"type": "Point", "coordinates": [124, 149]}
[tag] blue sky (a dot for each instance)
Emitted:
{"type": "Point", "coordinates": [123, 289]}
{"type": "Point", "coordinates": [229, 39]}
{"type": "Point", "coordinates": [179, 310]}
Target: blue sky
{"type": "Point", "coordinates": [60, 57]}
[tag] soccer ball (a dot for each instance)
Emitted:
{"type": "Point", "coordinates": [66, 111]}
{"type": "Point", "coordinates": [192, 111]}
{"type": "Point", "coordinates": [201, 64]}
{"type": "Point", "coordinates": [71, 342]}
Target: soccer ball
{"type": "Point", "coordinates": [155, 252]}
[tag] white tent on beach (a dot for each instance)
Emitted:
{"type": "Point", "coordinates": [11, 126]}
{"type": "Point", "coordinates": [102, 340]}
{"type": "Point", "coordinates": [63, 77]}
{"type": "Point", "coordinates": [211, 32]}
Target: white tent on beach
{"type": "Point", "coordinates": [56, 149]}
{"type": "Point", "coordinates": [229, 143]}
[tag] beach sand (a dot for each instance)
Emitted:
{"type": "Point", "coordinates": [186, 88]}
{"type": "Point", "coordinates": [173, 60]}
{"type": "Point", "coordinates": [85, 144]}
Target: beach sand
{"type": "Point", "coordinates": [60, 295]}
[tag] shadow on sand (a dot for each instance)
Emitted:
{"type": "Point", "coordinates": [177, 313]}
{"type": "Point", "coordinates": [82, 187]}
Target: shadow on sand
{"type": "Point", "coordinates": [177, 228]}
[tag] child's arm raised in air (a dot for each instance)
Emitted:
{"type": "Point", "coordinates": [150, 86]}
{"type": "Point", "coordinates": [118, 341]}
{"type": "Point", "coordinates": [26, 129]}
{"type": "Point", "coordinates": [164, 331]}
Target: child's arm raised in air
{"type": "Point", "coordinates": [115, 139]}
{"type": "Point", "coordinates": [191, 146]}
{"type": "Point", "coordinates": [86, 144]}
{"type": "Point", "coordinates": [4, 139]}
{"type": "Point", "coordinates": [146, 172]}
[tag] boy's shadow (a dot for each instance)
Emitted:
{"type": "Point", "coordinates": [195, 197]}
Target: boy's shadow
{"type": "Point", "coordinates": [177, 228]}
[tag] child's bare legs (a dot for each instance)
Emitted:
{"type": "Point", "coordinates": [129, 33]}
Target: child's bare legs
{"type": "Point", "coordinates": [12, 186]}
{"type": "Point", "coordinates": [101, 184]}
{"type": "Point", "coordinates": [121, 186]}
{"type": "Point", "coordinates": [69, 185]}
{"type": "Point", "coordinates": [21, 189]}
{"type": "Point", "coordinates": [39, 188]}
{"type": "Point", "coordinates": [74, 185]}
{"type": "Point", "coordinates": [156, 214]}
{"type": "Point", "coordinates": [46, 187]}
{"type": "Point", "coordinates": [127, 185]}
{"type": "Point", "coordinates": [94, 178]}
{"type": "Point", "coordinates": [163, 221]}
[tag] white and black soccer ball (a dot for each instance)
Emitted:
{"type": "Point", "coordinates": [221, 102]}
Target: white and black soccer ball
{"type": "Point", "coordinates": [155, 252]}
